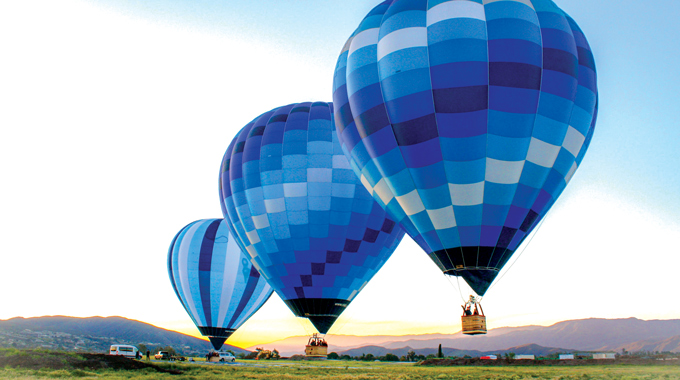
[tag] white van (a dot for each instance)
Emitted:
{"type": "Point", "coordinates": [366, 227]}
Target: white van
{"type": "Point", "coordinates": [125, 350]}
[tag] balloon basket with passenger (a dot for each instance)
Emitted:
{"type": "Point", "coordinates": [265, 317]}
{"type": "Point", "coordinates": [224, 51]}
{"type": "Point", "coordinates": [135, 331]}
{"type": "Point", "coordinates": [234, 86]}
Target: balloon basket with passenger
{"type": "Point", "coordinates": [473, 319]}
{"type": "Point", "coordinates": [212, 357]}
{"type": "Point", "coordinates": [316, 348]}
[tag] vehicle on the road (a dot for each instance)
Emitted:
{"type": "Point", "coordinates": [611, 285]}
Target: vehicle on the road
{"type": "Point", "coordinates": [220, 356]}
{"type": "Point", "coordinates": [125, 350]}
{"type": "Point", "coordinates": [165, 355]}
{"type": "Point", "coordinates": [162, 355]}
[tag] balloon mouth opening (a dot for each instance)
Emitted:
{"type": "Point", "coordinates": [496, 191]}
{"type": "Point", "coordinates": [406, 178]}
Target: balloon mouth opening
{"type": "Point", "coordinates": [216, 335]}
{"type": "Point", "coordinates": [477, 265]}
{"type": "Point", "coordinates": [322, 323]}
{"type": "Point", "coordinates": [322, 312]}
{"type": "Point", "coordinates": [217, 341]}
{"type": "Point", "coordinates": [479, 279]}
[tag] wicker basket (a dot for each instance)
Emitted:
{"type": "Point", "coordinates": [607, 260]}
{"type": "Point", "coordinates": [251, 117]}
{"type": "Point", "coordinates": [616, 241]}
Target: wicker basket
{"type": "Point", "coordinates": [316, 351]}
{"type": "Point", "coordinates": [473, 324]}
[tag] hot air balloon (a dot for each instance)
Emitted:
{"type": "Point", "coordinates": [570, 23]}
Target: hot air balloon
{"type": "Point", "coordinates": [466, 119]}
{"type": "Point", "coordinates": [295, 205]}
{"type": "Point", "coordinates": [214, 280]}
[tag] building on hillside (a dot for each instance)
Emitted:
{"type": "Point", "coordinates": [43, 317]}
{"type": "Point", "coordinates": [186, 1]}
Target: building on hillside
{"type": "Point", "coordinates": [489, 357]}
{"type": "Point", "coordinates": [566, 356]}
{"type": "Point", "coordinates": [605, 355]}
{"type": "Point", "coordinates": [525, 357]}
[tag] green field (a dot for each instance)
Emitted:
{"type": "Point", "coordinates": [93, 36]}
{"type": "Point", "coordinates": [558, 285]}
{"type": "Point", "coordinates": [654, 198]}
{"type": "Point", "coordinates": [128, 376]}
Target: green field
{"type": "Point", "coordinates": [284, 369]}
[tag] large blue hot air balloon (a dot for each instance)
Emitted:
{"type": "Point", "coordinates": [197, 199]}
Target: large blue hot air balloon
{"type": "Point", "coordinates": [466, 119]}
{"type": "Point", "coordinates": [214, 280]}
{"type": "Point", "coordinates": [310, 228]}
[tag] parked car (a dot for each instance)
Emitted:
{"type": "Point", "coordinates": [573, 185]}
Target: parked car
{"type": "Point", "coordinates": [222, 357]}
{"type": "Point", "coordinates": [162, 355]}
{"type": "Point", "coordinates": [125, 350]}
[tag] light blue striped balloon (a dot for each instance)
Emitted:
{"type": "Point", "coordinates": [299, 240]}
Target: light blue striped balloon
{"type": "Point", "coordinates": [214, 280]}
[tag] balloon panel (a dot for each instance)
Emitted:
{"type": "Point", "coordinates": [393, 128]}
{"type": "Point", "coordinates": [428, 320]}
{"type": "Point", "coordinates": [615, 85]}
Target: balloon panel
{"type": "Point", "coordinates": [292, 199]}
{"type": "Point", "coordinates": [214, 280]}
{"type": "Point", "coordinates": [466, 120]}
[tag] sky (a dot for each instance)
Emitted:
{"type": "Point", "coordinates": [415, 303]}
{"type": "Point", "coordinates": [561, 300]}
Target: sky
{"type": "Point", "coordinates": [115, 115]}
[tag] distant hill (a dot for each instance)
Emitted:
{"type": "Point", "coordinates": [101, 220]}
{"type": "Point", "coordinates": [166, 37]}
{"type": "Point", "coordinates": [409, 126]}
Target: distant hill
{"type": "Point", "coordinates": [671, 344]}
{"type": "Point", "coordinates": [95, 334]}
{"type": "Point", "coordinates": [382, 351]}
{"type": "Point", "coordinates": [529, 349]}
{"type": "Point", "coordinates": [598, 334]}
{"type": "Point", "coordinates": [595, 334]}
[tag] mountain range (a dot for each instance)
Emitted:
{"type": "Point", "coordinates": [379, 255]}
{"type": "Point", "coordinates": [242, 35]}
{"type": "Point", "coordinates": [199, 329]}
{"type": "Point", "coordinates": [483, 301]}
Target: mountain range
{"type": "Point", "coordinates": [528, 349]}
{"type": "Point", "coordinates": [96, 334]}
{"type": "Point", "coordinates": [595, 334]}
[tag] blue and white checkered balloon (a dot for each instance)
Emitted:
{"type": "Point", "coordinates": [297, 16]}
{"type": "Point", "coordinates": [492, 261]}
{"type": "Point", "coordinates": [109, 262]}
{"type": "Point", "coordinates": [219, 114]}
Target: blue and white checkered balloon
{"type": "Point", "coordinates": [298, 210]}
{"type": "Point", "coordinates": [466, 119]}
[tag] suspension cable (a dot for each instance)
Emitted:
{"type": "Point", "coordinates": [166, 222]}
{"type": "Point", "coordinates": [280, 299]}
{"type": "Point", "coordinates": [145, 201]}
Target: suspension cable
{"type": "Point", "coordinates": [304, 326]}
{"type": "Point", "coordinates": [533, 234]}
{"type": "Point", "coordinates": [349, 318]}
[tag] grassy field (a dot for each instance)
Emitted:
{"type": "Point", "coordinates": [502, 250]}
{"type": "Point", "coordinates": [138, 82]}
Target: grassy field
{"type": "Point", "coordinates": [346, 370]}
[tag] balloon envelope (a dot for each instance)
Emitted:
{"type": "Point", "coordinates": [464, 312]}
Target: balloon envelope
{"type": "Point", "coordinates": [214, 280]}
{"type": "Point", "coordinates": [466, 119]}
{"type": "Point", "coordinates": [297, 208]}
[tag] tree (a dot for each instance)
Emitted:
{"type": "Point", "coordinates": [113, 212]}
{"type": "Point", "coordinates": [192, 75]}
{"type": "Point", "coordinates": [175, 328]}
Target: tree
{"type": "Point", "coordinates": [389, 357]}
{"type": "Point", "coordinates": [440, 354]}
{"type": "Point", "coordinates": [142, 348]}
{"type": "Point", "coordinates": [411, 356]}
{"type": "Point", "coordinates": [263, 354]}
{"type": "Point", "coordinates": [275, 354]}
{"type": "Point", "coordinates": [333, 356]}
{"type": "Point", "coordinates": [368, 357]}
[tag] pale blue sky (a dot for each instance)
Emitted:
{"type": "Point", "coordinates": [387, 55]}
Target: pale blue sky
{"type": "Point", "coordinates": [115, 116]}
{"type": "Point", "coordinates": [635, 44]}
